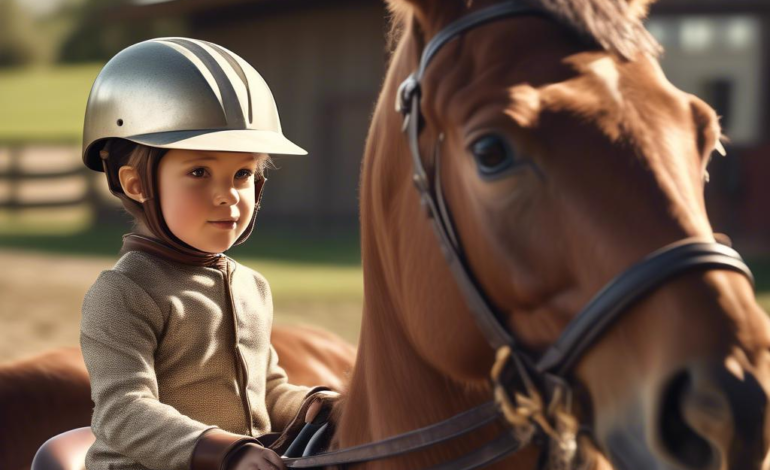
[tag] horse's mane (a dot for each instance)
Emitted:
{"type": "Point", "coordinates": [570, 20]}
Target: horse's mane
{"type": "Point", "coordinates": [615, 25]}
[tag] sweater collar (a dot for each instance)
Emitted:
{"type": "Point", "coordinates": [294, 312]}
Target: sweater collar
{"type": "Point", "coordinates": [154, 246]}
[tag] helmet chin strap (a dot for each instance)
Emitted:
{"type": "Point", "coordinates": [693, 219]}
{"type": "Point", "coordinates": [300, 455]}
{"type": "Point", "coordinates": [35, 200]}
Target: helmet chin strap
{"type": "Point", "coordinates": [259, 185]}
{"type": "Point", "coordinates": [152, 213]}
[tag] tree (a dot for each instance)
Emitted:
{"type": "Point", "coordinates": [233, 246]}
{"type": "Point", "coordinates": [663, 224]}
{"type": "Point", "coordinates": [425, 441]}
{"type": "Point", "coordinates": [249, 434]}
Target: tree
{"type": "Point", "coordinates": [19, 44]}
{"type": "Point", "coordinates": [95, 39]}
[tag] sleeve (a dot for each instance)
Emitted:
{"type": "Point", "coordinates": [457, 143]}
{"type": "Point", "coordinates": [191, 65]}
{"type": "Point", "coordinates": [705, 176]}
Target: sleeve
{"type": "Point", "coordinates": [283, 399]}
{"type": "Point", "coordinates": [119, 334]}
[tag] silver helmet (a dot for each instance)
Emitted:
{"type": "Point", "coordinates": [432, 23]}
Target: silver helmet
{"type": "Point", "coordinates": [180, 93]}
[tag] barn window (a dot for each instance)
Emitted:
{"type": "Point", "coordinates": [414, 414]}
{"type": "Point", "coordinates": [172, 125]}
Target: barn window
{"type": "Point", "coordinates": [718, 58]}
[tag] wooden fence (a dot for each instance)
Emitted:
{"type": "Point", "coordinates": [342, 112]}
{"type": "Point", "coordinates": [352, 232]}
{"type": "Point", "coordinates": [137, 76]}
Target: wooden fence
{"type": "Point", "coordinates": [15, 176]}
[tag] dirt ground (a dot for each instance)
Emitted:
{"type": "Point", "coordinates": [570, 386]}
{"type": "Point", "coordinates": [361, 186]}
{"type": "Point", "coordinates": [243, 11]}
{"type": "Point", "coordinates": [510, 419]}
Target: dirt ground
{"type": "Point", "coordinates": [41, 296]}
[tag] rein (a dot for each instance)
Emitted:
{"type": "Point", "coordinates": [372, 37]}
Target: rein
{"type": "Point", "coordinates": [454, 427]}
{"type": "Point", "coordinates": [532, 396]}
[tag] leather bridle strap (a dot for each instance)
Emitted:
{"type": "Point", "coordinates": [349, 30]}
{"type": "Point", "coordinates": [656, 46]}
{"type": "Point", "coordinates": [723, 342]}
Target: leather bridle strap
{"type": "Point", "coordinates": [487, 413]}
{"type": "Point", "coordinates": [616, 297]}
{"type": "Point", "coordinates": [629, 287]}
{"type": "Point", "coordinates": [497, 449]}
{"type": "Point", "coordinates": [471, 21]}
{"type": "Point", "coordinates": [418, 439]}
{"type": "Point", "coordinates": [488, 321]}
{"type": "Point", "coordinates": [408, 103]}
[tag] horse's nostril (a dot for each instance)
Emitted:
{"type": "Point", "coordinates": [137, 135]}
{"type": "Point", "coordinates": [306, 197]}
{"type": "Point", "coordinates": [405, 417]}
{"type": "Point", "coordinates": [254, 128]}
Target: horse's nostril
{"type": "Point", "coordinates": [680, 440]}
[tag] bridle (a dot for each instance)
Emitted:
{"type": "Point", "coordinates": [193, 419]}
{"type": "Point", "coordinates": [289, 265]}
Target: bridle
{"type": "Point", "coordinates": [527, 390]}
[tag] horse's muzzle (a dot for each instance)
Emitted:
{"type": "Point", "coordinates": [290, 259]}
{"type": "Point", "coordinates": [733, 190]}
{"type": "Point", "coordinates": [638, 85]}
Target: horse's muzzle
{"type": "Point", "coordinates": [703, 417]}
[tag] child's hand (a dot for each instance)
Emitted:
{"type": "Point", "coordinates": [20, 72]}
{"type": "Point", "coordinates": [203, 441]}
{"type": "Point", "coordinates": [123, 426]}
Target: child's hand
{"type": "Point", "coordinates": [254, 457]}
{"type": "Point", "coordinates": [312, 411]}
{"type": "Point", "coordinates": [320, 401]}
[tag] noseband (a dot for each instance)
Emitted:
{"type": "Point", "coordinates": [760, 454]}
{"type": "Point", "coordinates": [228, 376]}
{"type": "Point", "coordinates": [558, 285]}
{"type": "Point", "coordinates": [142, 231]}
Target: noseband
{"type": "Point", "coordinates": [529, 393]}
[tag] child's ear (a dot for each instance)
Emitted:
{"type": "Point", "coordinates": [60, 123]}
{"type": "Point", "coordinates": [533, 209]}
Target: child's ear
{"type": "Point", "coordinates": [131, 184]}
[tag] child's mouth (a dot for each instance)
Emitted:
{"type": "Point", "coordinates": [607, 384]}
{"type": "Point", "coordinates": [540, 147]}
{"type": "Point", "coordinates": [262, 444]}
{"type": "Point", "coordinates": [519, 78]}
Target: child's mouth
{"type": "Point", "coordinates": [224, 224]}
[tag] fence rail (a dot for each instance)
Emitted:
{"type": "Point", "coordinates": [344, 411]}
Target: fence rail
{"type": "Point", "coordinates": [17, 175]}
{"type": "Point", "coordinates": [14, 176]}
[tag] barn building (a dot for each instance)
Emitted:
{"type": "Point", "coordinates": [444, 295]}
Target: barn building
{"type": "Point", "coordinates": [325, 62]}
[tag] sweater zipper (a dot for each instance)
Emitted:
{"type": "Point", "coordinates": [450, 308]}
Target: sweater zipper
{"type": "Point", "coordinates": [244, 368]}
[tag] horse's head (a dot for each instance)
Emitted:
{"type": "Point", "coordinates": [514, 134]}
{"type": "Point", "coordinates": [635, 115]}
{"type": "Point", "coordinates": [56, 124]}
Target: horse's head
{"type": "Point", "coordinates": [564, 160]}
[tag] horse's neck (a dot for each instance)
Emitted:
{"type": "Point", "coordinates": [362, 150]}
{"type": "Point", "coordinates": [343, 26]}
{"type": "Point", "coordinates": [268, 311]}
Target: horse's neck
{"type": "Point", "coordinates": [393, 390]}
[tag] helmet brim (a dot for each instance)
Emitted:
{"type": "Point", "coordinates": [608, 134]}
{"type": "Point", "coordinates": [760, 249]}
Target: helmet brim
{"type": "Point", "coordinates": [223, 140]}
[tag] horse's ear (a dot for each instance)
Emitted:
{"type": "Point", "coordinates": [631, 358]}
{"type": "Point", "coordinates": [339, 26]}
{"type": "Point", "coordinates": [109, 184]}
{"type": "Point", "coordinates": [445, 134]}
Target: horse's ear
{"type": "Point", "coordinates": [425, 10]}
{"type": "Point", "coordinates": [639, 9]}
{"type": "Point", "coordinates": [403, 7]}
{"type": "Point", "coordinates": [427, 13]}
{"type": "Point", "coordinates": [412, 5]}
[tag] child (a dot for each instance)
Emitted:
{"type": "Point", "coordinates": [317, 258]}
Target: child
{"type": "Point", "coordinates": [176, 337]}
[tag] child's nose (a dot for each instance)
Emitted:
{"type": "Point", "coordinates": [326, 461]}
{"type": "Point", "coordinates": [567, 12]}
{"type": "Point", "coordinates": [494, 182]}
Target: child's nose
{"type": "Point", "coordinates": [226, 195]}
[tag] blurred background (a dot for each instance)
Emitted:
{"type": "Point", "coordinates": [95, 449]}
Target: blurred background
{"type": "Point", "coordinates": [324, 61]}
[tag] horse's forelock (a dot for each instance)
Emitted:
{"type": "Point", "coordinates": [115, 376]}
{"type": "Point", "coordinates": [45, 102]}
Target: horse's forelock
{"type": "Point", "coordinates": [615, 25]}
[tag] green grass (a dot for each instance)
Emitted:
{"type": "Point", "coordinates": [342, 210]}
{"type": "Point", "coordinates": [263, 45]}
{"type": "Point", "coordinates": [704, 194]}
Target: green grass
{"type": "Point", "coordinates": [44, 104]}
{"type": "Point", "coordinates": [295, 282]}
{"type": "Point", "coordinates": [764, 300]}
{"type": "Point", "coordinates": [35, 222]}
{"type": "Point", "coordinates": [761, 269]}
{"type": "Point", "coordinates": [75, 237]}
{"type": "Point", "coordinates": [299, 267]}
{"type": "Point", "coordinates": [323, 269]}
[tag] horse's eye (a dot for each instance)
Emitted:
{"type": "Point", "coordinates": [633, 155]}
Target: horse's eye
{"type": "Point", "coordinates": [493, 155]}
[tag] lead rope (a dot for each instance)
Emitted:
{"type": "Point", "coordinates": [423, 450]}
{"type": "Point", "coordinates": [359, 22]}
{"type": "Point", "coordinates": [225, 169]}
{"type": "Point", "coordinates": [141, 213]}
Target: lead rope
{"type": "Point", "coordinates": [530, 419]}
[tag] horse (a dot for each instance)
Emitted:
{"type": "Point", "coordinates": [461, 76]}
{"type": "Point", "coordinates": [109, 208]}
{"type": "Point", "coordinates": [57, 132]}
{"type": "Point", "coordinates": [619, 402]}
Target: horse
{"type": "Point", "coordinates": [50, 393]}
{"type": "Point", "coordinates": [551, 158]}
{"type": "Point", "coordinates": [566, 158]}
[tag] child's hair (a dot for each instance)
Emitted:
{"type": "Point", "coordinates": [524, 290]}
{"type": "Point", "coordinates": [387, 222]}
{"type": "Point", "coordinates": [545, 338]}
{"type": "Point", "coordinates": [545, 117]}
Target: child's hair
{"type": "Point", "coordinates": [141, 157]}
{"type": "Point", "coordinates": [145, 159]}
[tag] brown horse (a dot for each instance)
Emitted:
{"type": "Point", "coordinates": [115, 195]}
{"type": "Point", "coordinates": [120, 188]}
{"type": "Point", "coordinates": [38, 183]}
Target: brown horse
{"type": "Point", "coordinates": [48, 394]}
{"type": "Point", "coordinates": [604, 161]}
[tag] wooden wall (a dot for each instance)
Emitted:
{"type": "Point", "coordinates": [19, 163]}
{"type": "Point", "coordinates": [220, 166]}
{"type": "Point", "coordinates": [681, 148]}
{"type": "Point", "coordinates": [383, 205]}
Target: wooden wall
{"type": "Point", "coordinates": [324, 63]}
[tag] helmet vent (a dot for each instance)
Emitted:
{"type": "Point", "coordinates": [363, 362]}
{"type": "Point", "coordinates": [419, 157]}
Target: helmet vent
{"type": "Point", "coordinates": [120, 122]}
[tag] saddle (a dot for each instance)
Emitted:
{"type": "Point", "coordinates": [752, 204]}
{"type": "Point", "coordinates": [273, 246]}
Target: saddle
{"type": "Point", "coordinates": [67, 451]}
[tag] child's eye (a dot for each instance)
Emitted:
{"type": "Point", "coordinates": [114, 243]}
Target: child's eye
{"type": "Point", "coordinates": [243, 174]}
{"type": "Point", "coordinates": [198, 172]}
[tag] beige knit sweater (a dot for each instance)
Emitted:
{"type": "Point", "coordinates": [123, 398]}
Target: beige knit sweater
{"type": "Point", "coordinates": [169, 359]}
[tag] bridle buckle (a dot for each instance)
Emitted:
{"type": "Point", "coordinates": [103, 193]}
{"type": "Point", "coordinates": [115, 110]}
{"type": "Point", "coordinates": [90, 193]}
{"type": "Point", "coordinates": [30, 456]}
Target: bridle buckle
{"type": "Point", "coordinates": [405, 94]}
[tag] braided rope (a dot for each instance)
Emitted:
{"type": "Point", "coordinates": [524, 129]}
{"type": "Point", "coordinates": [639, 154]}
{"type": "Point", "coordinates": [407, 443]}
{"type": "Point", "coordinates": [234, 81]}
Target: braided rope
{"type": "Point", "coordinates": [528, 416]}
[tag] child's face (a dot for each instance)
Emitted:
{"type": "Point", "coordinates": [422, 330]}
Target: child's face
{"type": "Point", "coordinates": [200, 189]}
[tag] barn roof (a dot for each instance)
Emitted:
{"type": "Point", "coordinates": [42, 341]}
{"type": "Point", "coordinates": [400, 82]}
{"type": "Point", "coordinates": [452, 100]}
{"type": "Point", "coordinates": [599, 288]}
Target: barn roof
{"type": "Point", "coordinates": [710, 6]}
{"type": "Point", "coordinates": [147, 9]}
